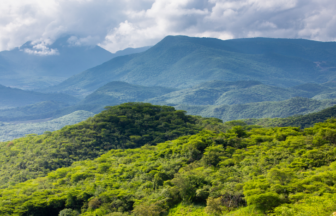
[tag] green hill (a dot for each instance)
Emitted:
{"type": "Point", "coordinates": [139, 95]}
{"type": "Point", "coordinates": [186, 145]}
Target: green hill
{"type": "Point", "coordinates": [221, 92]}
{"type": "Point", "coordinates": [302, 121]}
{"type": "Point", "coordinates": [117, 92]}
{"type": "Point", "coordinates": [181, 62]}
{"type": "Point", "coordinates": [10, 131]}
{"type": "Point", "coordinates": [125, 126]}
{"type": "Point", "coordinates": [274, 171]}
{"type": "Point", "coordinates": [293, 106]}
{"type": "Point", "coordinates": [12, 97]}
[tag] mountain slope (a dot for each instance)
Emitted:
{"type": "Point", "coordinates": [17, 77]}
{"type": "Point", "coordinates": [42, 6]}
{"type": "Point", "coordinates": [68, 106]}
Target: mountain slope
{"type": "Point", "coordinates": [12, 97]}
{"type": "Point", "coordinates": [303, 121]}
{"type": "Point", "coordinates": [293, 106]}
{"type": "Point", "coordinates": [10, 131]}
{"type": "Point", "coordinates": [221, 92]}
{"type": "Point", "coordinates": [117, 92]}
{"type": "Point", "coordinates": [179, 61]}
{"type": "Point", "coordinates": [34, 71]}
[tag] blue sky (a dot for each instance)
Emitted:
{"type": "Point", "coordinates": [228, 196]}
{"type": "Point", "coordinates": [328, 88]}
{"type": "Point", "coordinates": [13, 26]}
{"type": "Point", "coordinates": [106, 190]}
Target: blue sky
{"type": "Point", "coordinates": [118, 24]}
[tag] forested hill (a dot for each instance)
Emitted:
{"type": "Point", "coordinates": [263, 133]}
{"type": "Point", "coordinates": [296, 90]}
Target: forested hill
{"type": "Point", "coordinates": [274, 171]}
{"type": "Point", "coordinates": [125, 126]}
{"type": "Point", "coordinates": [267, 109]}
{"type": "Point", "coordinates": [302, 121]}
{"type": "Point", "coordinates": [180, 61]}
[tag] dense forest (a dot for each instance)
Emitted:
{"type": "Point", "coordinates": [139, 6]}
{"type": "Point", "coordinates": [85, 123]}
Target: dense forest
{"type": "Point", "coordinates": [128, 125]}
{"type": "Point", "coordinates": [139, 159]}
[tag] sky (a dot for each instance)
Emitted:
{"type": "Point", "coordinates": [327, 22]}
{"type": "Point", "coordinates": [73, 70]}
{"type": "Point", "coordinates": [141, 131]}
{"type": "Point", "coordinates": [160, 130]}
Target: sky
{"type": "Point", "coordinates": [119, 24]}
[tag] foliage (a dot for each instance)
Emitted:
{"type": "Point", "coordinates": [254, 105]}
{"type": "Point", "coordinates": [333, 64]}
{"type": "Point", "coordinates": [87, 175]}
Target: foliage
{"type": "Point", "coordinates": [125, 126]}
{"type": "Point", "coordinates": [281, 171]}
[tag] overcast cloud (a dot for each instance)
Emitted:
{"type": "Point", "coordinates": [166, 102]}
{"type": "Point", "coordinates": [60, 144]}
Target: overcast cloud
{"type": "Point", "coordinates": [118, 24]}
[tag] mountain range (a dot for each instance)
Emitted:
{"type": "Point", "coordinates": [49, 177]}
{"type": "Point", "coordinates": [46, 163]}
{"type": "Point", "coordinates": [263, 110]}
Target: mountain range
{"type": "Point", "coordinates": [36, 66]}
{"type": "Point", "coordinates": [182, 62]}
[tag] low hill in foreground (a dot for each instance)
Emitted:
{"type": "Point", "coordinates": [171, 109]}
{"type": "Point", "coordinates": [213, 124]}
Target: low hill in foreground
{"type": "Point", "coordinates": [125, 126]}
{"type": "Point", "coordinates": [273, 171]}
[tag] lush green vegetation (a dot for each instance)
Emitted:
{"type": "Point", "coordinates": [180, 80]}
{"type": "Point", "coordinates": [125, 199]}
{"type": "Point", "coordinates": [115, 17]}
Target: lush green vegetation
{"type": "Point", "coordinates": [125, 126]}
{"type": "Point", "coordinates": [280, 171]}
{"type": "Point", "coordinates": [9, 131]}
{"type": "Point", "coordinates": [269, 109]}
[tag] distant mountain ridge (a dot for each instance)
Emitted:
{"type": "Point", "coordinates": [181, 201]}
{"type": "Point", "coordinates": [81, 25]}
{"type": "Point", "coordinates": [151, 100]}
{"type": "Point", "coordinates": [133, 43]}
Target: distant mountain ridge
{"type": "Point", "coordinates": [22, 69]}
{"type": "Point", "coordinates": [12, 97]}
{"type": "Point", "coordinates": [221, 92]}
{"type": "Point", "coordinates": [118, 92]}
{"type": "Point", "coordinates": [182, 62]}
{"type": "Point", "coordinates": [267, 109]}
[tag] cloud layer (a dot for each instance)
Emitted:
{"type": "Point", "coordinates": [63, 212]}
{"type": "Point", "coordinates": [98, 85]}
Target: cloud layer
{"type": "Point", "coordinates": [116, 24]}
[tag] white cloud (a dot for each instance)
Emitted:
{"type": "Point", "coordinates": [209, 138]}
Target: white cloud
{"type": "Point", "coordinates": [116, 24]}
{"type": "Point", "coordinates": [40, 47]}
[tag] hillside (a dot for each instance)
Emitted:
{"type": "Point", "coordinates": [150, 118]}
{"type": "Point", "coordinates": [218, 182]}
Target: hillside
{"type": "Point", "coordinates": [22, 69]}
{"type": "Point", "coordinates": [125, 126]}
{"type": "Point", "coordinates": [10, 131]}
{"type": "Point", "coordinates": [12, 97]}
{"type": "Point", "coordinates": [117, 92]}
{"type": "Point", "coordinates": [221, 92]}
{"type": "Point", "coordinates": [293, 106]}
{"type": "Point", "coordinates": [274, 171]}
{"type": "Point", "coordinates": [302, 121]}
{"type": "Point", "coordinates": [181, 62]}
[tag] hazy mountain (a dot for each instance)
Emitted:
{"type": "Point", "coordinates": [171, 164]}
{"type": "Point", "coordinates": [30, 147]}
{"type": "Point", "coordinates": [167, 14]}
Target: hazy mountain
{"type": "Point", "coordinates": [221, 92]}
{"type": "Point", "coordinates": [118, 92]}
{"type": "Point", "coordinates": [23, 68]}
{"type": "Point", "coordinates": [293, 106]}
{"type": "Point", "coordinates": [12, 97]}
{"type": "Point", "coordinates": [303, 121]}
{"type": "Point", "coordinates": [181, 62]}
{"type": "Point", "coordinates": [10, 131]}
